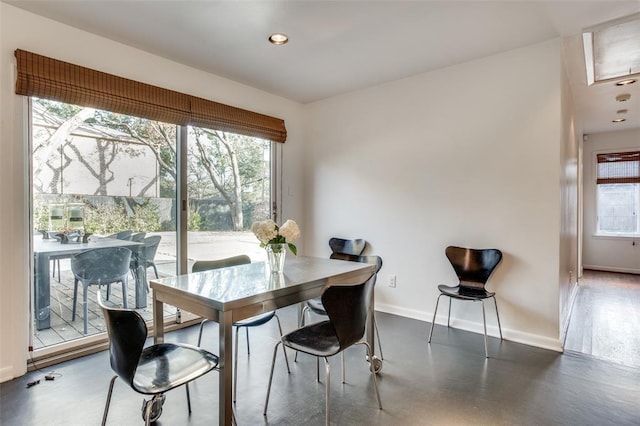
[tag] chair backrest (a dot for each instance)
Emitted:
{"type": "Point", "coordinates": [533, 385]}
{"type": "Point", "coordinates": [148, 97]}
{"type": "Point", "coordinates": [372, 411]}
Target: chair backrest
{"type": "Point", "coordinates": [206, 265]}
{"type": "Point", "coordinates": [127, 334]}
{"type": "Point", "coordinates": [348, 307]}
{"type": "Point", "coordinates": [101, 265]}
{"type": "Point", "coordinates": [343, 246]}
{"type": "Point", "coordinates": [151, 246]}
{"type": "Point", "coordinates": [473, 266]}
{"type": "Point", "coordinates": [122, 235]}
{"type": "Point", "coordinates": [138, 238]}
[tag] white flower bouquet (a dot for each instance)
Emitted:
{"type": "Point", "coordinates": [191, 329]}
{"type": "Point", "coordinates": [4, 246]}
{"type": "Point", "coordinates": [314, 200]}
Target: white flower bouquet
{"type": "Point", "coordinates": [268, 232]}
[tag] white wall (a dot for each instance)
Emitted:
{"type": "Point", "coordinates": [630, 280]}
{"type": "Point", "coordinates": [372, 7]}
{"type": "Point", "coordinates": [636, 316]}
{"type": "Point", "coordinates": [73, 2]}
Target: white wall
{"type": "Point", "coordinates": [569, 145]}
{"type": "Point", "coordinates": [606, 253]}
{"type": "Point", "coordinates": [467, 155]}
{"type": "Point", "coordinates": [68, 44]}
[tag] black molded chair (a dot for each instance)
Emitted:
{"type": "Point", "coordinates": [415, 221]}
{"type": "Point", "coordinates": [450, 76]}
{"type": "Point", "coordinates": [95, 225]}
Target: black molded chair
{"type": "Point", "coordinates": [206, 265]}
{"type": "Point", "coordinates": [153, 370]}
{"type": "Point", "coordinates": [353, 247]}
{"type": "Point", "coordinates": [315, 305]}
{"type": "Point", "coordinates": [347, 307]}
{"type": "Point", "coordinates": [102, 266]}
{"type": "Point", "coordinates": [473, 268]}
{"type": "Point", "coordinates": [340, 249]}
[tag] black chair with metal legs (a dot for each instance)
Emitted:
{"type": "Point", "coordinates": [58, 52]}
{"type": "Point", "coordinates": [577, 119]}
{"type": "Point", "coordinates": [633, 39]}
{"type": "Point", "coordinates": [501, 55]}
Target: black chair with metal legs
{"type": "Point", "coordinates": [315, 305]}
{"type": "Point", "coordinates": [205, 265]}
{"type": "Point", "coordinates": [353, 247]}
{"type": "Point", "coordinates": [347, 307]}
{"type": "Point", "coordinates": [153, 370]}
{"type": "Point", "coordinates": [341, 248]}
{"type": "Point", "coordinates": [473, 268]}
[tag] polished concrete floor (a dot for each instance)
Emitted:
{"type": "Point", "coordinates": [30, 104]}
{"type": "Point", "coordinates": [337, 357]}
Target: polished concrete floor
{"type": "Point", "coordinates": [448, 382]}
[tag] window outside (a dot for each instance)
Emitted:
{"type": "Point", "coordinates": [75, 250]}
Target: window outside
{"type": "Point", "coordinates": [96, 174]}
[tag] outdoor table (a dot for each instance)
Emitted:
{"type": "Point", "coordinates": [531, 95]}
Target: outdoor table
{"type": "Point", "coordinates": [44, 249]}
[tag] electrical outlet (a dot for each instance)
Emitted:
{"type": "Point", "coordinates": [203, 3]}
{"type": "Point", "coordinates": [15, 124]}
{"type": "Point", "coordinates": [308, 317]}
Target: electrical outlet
{"type": "Point", "coordinates": [392, 281]}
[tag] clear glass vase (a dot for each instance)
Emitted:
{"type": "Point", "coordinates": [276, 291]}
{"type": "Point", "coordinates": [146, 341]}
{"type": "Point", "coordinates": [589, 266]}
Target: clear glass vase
{"type": "Point", "coordinates": [276, 254]}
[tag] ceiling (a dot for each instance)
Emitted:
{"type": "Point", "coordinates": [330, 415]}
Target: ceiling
{"type": "Point", "coordinates": [340, 46]}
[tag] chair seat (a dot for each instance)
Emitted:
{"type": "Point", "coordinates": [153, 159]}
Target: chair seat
{"type": "Point", "coordinates": [465, 293]}
{"type": "Point", "coordinates": [255, 321]}
{"type": "Point", "coordinates": [316, 306]}
{"type": "Point", "coordinates": [166, 366]}
{"type": "Point", "coordinates": [317, 339]}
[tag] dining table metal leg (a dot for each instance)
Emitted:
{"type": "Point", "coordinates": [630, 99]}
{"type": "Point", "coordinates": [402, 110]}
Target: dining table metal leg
{"type": "Point", "coordinates": [225, 364]}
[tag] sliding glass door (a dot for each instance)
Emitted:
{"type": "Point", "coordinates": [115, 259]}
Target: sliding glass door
{"type": "Point", "coordinates": [229, 187]}
{"type": "Point", "coordinates": [96, 175]}
{"type": "Point", "coordinates": [100, 178]}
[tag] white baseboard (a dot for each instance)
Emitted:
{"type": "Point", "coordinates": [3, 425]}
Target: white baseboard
{"type": "Point", "coordinates": [612, 269]}
{"type": "Point", "coordinates": [476, 327]}
{"type": "Point", "coordinates": [6, 374]}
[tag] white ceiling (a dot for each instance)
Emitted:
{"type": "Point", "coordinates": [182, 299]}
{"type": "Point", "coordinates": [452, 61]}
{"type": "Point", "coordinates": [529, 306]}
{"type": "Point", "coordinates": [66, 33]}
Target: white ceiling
{"type": "Point", "coordinates": [341, 46]}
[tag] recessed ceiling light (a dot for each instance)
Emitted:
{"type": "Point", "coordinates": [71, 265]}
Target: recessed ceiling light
{"type": "Point", "coordinates": [278, 38]}
{"type": "Point", "coordinates": [626, 82]}
{"type": "Point", "coordinates": [621, 111]}
{"type": "Point", "coordinates": [623, 97]}
{"type": "Point", "coordinates": [619, 120]}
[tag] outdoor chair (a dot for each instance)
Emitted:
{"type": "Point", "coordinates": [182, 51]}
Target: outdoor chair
{"type": "Point", "coordinates": [102, 266]}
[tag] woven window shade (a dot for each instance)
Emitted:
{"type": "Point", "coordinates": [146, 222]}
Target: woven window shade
{"type": "Point", "coordinates": [49, 78]}
{"type": "Point", "coordinates": [619, 167]}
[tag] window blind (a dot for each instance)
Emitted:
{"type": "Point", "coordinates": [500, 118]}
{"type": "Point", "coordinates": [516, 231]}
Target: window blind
{"type": "Point", "coordinates": [618, 167]}
{"type": "Point", "coordinates": [53, 79]}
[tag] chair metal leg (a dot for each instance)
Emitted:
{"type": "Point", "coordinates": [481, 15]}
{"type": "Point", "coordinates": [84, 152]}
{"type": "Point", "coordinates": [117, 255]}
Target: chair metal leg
{"type": "Point", "coordinates": [106, 407]}
{"type": "Point", "coordinates": [433, 321]}
{"type": "Point", "coordinates": [302, 322]}
{"type": "Point", "coordinates": [273, 363]}
{"type": "Point", "coordinates": [246, 329]}
{"type": "Point", "coordinates": [200, 331]}
{"type": "Point", "coordinates": [375, 325]}
{"type": "Point", "coordinates": [498, 316]}
{"type": "Point", "coordinates": [318, 369]}
{"type": "Point", "coordinates": [484, 322]}
{"type": "Point", "coordinates": [125, 290]}
{"type": "Point", "coordinates": [85, 307]}
{"type": "Point", "coordinates": [186, 386]}
{"type": "Point", "coordinates": [75, 300]}
{"type": "Point", "coordinates": [449, 314]}
{"type": "Point", "coordinates": [344, 379]}
{"type": "Point", "coordinates": [284, 350]}
{"type": "Point", "coordinates": [327, 379]}
{"type": "Point", "coordinates": [373, 372]}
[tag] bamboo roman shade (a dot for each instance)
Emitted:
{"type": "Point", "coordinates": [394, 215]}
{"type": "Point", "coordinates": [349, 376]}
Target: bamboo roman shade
{"type": "Point", "coordinates": [619, 167]}
{"type": "Point", "coordinates": [49, 78]}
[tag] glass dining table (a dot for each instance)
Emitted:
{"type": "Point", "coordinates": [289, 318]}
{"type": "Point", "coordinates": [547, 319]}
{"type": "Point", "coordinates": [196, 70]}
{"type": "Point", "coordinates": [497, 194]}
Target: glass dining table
{"type": "Point", "coordinates": [46, 249]}
{"type": "Point", "coordinates": [235, 293]}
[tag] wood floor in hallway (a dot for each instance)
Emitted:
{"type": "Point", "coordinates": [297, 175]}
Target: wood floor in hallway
{"type": "Point", "coordinates": [605, 321]}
